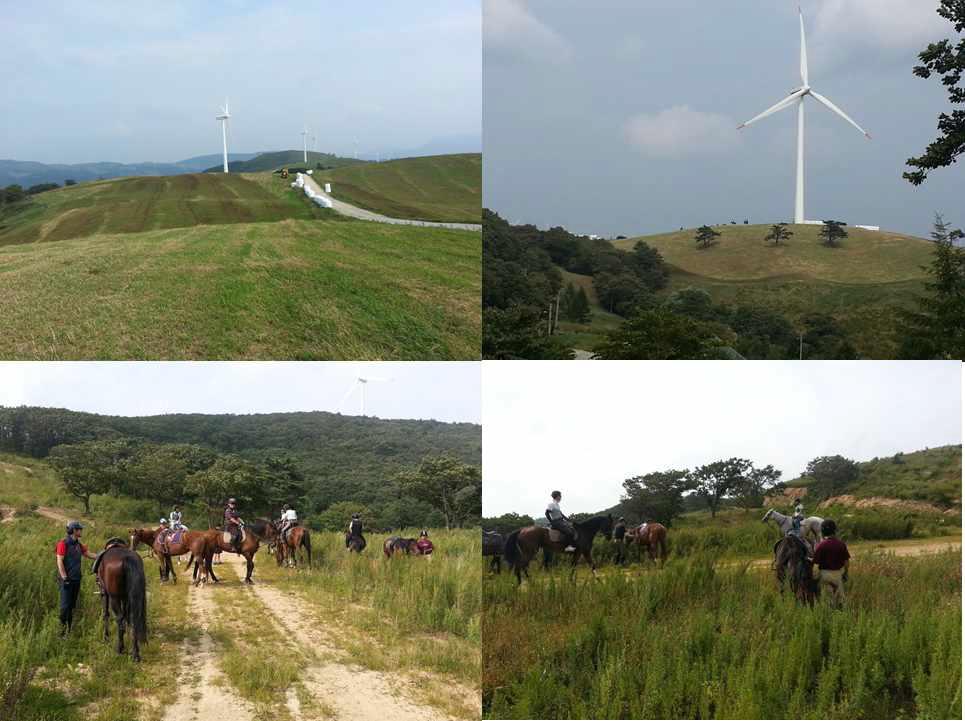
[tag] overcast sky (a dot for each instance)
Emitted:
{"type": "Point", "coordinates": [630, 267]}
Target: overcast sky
{"type": "Point", "coordinates": [439, 390]}
{"type": "Point", "coordinates": [583, 428]}
{"type": "Point", "coordinates": [620, 116]}
{"type": "Point", "coordinates": [130, 81]}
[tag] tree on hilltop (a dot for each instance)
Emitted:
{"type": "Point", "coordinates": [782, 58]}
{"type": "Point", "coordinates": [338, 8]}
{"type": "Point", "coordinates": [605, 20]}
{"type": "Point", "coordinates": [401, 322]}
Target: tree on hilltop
{"type": "Point", "coordinates": [779, 233]}
{"type": "Point", "coordinates": [832, 231]}
{"type": "Point", "coordinates": [705, 236]}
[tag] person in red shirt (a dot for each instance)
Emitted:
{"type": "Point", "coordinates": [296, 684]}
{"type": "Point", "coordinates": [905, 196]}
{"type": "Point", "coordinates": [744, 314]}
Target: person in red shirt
{"type": "Point", "coordinates": [830, 560]}
{"type": "Point", "coordinates": [424, 544]}
{"type": "Point", "coordinates": [69, 553]}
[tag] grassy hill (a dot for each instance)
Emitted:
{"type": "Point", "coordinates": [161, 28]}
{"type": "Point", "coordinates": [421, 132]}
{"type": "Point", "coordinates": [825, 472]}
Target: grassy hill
{"type": "Point", "coordinates": [283, 158]}
{"type": "Point", "coordinates": [439, 187]}
{"type": "Point", "coordinates": [861, 283]}
{"type": "Point", "coordinates": [933, 475]}
{"type": "Point", "coordinates": [221, 266]}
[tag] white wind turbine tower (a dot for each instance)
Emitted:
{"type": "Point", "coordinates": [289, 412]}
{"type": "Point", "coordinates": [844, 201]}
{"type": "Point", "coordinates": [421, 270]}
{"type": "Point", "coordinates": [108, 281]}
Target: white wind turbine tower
{"type": "Point", "coordinates": [797, 98]}
{"type": "Point", "coordinates": [360, 383]}
{"type": "Point", "coordinates": [224, 131]}
{"type": "Point", "coordinates": [305, 144]}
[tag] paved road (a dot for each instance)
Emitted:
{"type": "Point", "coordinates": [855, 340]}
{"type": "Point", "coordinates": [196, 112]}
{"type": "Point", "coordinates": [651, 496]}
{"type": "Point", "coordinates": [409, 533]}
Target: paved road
{"type": "Point", "coordinates": [362, 214]}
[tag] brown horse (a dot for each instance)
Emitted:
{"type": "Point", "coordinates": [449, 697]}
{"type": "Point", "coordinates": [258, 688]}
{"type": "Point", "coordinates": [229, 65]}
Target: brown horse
{"type": "Point", "coordinates": [145, 536]}
{"type": "Point", "coordinates": [121, 576]}
{"type": "Point", "coordinates": [394, 545]}
{"type": "Point", "coordinates": [195, 543]}
{"type": "Point", "coordinates": [791, 562]}
{"type": "Point", "coordinates": [653, 537]}
{"type": "Point", "coordinates": [258, 531]}
{"type": "Point", "coordinates": [288, 549]}
{"type": "Point", "coordinates": [523, 544]}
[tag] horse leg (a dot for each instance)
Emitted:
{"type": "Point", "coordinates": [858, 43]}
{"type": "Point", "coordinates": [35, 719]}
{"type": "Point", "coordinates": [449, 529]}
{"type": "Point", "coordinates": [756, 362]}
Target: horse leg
{"type": "Point", "coordinates": [170, 564]}
{"type": "Point", "coordinates": [107, 618]}
{"type": "Point", "coordinates": [250, 568]}
{"type": "Point", "coordinates": [118, 611]}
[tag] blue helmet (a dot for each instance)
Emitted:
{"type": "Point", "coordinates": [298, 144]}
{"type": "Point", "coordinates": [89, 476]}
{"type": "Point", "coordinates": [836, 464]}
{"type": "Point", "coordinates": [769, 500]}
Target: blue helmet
{"type": "Point", "coordinates": [74, 526]}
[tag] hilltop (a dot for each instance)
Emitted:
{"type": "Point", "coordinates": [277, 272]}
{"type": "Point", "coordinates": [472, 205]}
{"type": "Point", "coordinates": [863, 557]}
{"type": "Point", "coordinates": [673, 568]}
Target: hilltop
{"type": "Point", "coordinates": [279, 159]}
{"type": "Point", "coordinates": [445, 188]}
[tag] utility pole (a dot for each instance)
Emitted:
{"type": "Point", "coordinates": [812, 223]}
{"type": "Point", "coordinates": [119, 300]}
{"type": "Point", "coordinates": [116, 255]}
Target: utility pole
{"type": "Point", "coordinates": [558, 293]}
{"type": "Point", "coordinates": [800, 354]}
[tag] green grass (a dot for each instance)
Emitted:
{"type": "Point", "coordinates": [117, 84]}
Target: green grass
{"type": "Point", "coordinates": [300, 289]}
{"type": "Point", "coordinates": [437, 188]}
{"type": "Point", "coordinates": [693, 640]}
{"type": "Point", "coordinates": [283, 159]}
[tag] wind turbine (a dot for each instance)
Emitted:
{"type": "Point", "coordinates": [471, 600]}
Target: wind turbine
{"type": "Point", "coordinates": [360, 383]}
{"type": "Point", "coordinates": [797, 98]}
{"type": "Point", "coordinates": [224, 131]}
{"type": "Point", "coordinates": [305, 144]}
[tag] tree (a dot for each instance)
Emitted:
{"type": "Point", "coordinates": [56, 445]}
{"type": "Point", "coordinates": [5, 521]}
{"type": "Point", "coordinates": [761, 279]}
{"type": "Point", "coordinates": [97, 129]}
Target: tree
{"type": "Point", "coordinates": [337, 516]}
{"type": "Point", "coordinates": [620, 292]}
{"type": "Point", "coordinates": [580, 307]}
{"type": "Point", "coordinates": [70, 181]}
{"type": "Point", "coordinates": [81, 470]}
{"type": "Point", "coordinates": [41, 188]}
{"type": "Point", "coordinates": [778, 233]}
{"type": "Point", "coordinates": [756, 483]}
{"type": "Point", "coordinates": [832, 231]}
{"type": "Point", "coordinates": [705, 236]}
{"type": "Point", "coordinates": [936, 330]}
{"type": "Point", "coordinates": [507, 523]}
{"type": "Point", "coordinates": [13, 193]}
{"type": "Point", "coordinates": [519, 332]}
{"type": "Point", "coordinates": [656, 496]}
{"type": "Point", "coordinates": [830, 475]}
{"type": "Point", "coordinates": [947, 61]}
{"type": "Point", "coordinates": [714, 481]}
{"type": "Point", "coordinates": [660, 335]}
{"type": "Point", "coordinates": [448, 484]}
{"type": "Point", "coordinates": [159, 471]}
{"type": "Point", "coordinates": [228, 476]}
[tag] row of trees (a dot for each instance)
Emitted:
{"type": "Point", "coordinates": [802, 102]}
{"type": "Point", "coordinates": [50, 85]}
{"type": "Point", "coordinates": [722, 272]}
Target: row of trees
{"type": "Point", "coordinates": [831, 233]}
{"type": "Point", "coordinates": [15, 193]}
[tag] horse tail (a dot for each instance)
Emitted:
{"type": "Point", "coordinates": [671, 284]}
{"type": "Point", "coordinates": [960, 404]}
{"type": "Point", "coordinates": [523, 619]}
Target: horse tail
{"type": "Point", "coordinates": [136, 597]}
{"type": "Point", "coordinates": [511, 549]}
{"type": "Point", "coordinates": [307, 543]}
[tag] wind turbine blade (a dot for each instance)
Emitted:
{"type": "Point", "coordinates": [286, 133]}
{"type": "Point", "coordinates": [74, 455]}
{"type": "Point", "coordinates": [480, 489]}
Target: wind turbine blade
{"type": "Point", "coordinates": [351, 388]}
{"type": "Point", "coordinates": [827, 103]}
{"type": "Point", "coordinates": [804, 51]}
{"type": "Point", "coordinates": [774, 108]}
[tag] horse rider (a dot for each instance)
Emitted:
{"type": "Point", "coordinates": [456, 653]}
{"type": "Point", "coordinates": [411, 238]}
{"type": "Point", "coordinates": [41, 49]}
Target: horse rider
{"type": "Point", "coordinates": [798, 508]}
{"type": "Point", "coordinates": [162, 532]}
{"type": "Point", "coordinates": [69, 552]}
{"type": "Point", "coordinates": [424, 544]}
{"type": "Point", "coordinates": [831, 559]}
{"type": "Point", "coordinates": [354, 528]}
{"type": "Point", "coordinates": [175, 518]}
{"type": "Point", "coordinates": [232, 524]}
{"type": "Point", "coordinates": [619, 531]}
{"type": "Point", "coordinates": [560, 522]}
{"type": "Point", "coordinates": [797, 529]}
{"type": "Point", "coordinates": [289, 519]}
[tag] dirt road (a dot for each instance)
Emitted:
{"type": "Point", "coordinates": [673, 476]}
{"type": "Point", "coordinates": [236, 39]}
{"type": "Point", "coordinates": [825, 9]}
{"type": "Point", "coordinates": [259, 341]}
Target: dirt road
{"type": "Point", "coordinates": [344, 208]}
{"type": "Point", "coordinates": [342, 690]}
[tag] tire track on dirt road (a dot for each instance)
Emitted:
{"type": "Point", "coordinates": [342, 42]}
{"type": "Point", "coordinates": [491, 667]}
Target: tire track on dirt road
{"type": "Point", "coordinates": [348, 691]}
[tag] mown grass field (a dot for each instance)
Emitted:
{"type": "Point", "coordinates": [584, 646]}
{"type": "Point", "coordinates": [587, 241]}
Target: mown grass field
{"type": "Point", "coordinates": [700, 640]}
{"type": "Point", "coordinates": [861, 283]}
{"type": "Point", "coordinates": [439, 188]}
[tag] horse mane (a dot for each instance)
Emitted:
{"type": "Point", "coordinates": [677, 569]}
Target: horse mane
{"type": "Point", "coordinates": [592, 524]}
{"type": "Point", "coordinates": [258, 526]}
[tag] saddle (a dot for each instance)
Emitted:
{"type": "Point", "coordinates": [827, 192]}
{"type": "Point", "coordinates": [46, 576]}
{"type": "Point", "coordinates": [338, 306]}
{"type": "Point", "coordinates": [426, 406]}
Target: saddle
{"type": "Point", "coordinates": [226, 536]}
{"type": "Point", "coordinates": [559, 536]}
{"type": "Point", "coordinates": [114, 543]}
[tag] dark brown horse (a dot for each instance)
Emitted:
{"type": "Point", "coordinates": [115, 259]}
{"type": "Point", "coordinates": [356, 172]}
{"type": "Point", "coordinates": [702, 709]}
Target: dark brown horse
{"type": "Point", "coordinates": [258, 531]}
{"type": "Point", "coordinates": [493, 543]}
{"type": "Point", "coordinates": [121, 576]}
{"type": "Point", "coordinates": [792, 563]}
{"type": "Point", "coordinates": [288, 549]}
{"type": "Point", "coordinates": [355, 543]}
{"type": "Point", "coordinates": [195, 543]}
{"type": "Point", "coordinates": [653, 538]}
{"type": "Point", "coordinates": [523, 544]}
{"type": "Point", "coordinates": [394, 545]}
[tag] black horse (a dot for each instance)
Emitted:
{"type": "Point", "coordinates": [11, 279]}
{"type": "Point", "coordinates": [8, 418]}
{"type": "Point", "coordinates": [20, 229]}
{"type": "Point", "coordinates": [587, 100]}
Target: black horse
{"type": "Point", "coordinates": [792, 562]}
{"type": "Point", "coordinates": [492, 545]}
{"type": "Point", "coordinates": [523, 544]}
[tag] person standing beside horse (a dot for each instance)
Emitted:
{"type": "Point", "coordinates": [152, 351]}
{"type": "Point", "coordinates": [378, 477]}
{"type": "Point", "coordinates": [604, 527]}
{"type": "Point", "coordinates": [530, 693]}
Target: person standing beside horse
{"type": "Point", "coordinates": [69, 553]}
{"type": "Point", "coordinates": [619, 532]}
{"type": "Point", "coordinates": [560, 522]}
{"type": "Point", "coordinates": [831, 559]}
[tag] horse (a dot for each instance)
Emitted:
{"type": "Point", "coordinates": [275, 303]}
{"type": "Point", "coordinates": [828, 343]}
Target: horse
{"type": "Point", "coordinates": [121, 576]}
{"type": "Point", "coordinates": [809, 526]}
{"type": "Point", "coordinates": [522, 545]}
{"type": "Point", "coordinates": [396, 544]}
{"type": "Point", "coordinates": [654, 537]}
{"type": "Point", "coordinates": [259, 530]}
{"type": "Point", "coordinates": [791, 561]}
{"type": "Point", "coordinates": [143, 535]}
{"type": "Point", "coordinates": [492, 545]}
{"type": "Point", "coordinates": [178, 543]}
{"type": "Point", "coordinates": [288, 548]}
{"type": "Point", "coordinates": [355, 544]}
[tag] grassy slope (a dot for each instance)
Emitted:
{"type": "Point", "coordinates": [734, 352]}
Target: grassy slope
{"type": "Point", "coordinates": [439, 187]}
{"type": "Point", "coordinates": [860, 283]}
{"type": "Point", "coordinates": [309, 286]}
{"type": "Point", "coordinates": [931, 475]}
{"type": "Point", "coordinates": [283, 158]}
{"type": "Point", "coordinates": [587, 335]}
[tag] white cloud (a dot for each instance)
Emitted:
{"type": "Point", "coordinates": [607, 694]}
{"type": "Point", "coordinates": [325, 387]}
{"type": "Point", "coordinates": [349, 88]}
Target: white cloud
{"type": "Point", "coordinates": [680, 131]}
{"type": "Point", "coordinates": [509, 27]}
{"type": "Point", "coordinates": [896, 24]}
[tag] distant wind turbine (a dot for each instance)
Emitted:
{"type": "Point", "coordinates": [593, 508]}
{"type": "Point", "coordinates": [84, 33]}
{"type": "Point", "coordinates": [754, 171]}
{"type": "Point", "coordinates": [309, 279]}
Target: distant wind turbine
{"type": "Point", "coordinates": [305, 144]}
{"type": "Point", "coordinates": [797, 98]}
{"type": "Point", "coordinates": [359, 383]}
{"type": "Point", "coordinates": [224, 131]}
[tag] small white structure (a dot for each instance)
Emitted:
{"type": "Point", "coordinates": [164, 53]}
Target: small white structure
{"type": "Point", "coordinates": [328, 187]}
{"type": "Point", "coordinates": [320, 200]}
{"type": "Point", "coordinates": [869, 227]}
{"type": "Point", "coordinates": [224, 131]}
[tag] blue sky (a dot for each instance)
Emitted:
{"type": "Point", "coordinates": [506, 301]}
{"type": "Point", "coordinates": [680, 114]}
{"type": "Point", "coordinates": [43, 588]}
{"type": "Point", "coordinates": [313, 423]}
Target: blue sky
{"type": "Point", "coordinates": [134, 81]}
{"type": "Point", "coordinates": [439, 390]}
{"type": "Point", "coordinates": [620, 116]}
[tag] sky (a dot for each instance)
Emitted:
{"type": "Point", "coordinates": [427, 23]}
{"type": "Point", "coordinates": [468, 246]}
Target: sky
{"type": "Point", "coordinates": [443, 391]}
{"type": "Point", "coordinates": [620, 116]}
{"type": "Point", "coordinates": [583, 428]}
{"type": "Point", "coordinates": [136, 81]}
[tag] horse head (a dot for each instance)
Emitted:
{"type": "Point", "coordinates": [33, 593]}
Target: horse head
{"type": "Point", "coordinates": [607, 528]}
{"type": "Point", "coordinates": [767, 516]}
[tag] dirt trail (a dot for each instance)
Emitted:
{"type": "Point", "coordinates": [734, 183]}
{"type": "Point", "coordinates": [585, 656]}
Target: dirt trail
{"type": "Point", "coordinates": [7, 514]}
{"type": "Point", "coordinates": [898, 548]}
{"type": "Point", "coordinates": [348, 691]}
{"type": "Point", "coordinates": [204, 694]}
{"type": "Point", "coordinates": [55, 514]}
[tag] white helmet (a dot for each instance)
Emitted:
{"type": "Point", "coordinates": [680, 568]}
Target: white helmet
{"type": "Point", "coordinates": [163, 521]}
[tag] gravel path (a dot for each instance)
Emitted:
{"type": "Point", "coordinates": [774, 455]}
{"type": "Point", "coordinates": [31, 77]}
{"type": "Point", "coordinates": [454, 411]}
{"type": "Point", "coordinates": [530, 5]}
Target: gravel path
{"type": "Point", "coordinates": [362, 214]}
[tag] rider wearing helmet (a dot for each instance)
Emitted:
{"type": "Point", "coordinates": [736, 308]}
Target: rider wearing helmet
{"type": "Point", "coordinates": [175, 519]}
{"type": "Point", "coordinates": [558, 521]}
{"type": "Point", "coordinates": [232, 524]}
{"type": "Point", "coordinates": [69, 552]}
{"type": "Point", "coordinates": [354, 528]}
{"type": "Point", "coordinates": [289, 519]}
